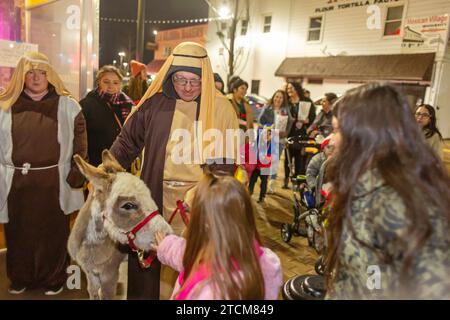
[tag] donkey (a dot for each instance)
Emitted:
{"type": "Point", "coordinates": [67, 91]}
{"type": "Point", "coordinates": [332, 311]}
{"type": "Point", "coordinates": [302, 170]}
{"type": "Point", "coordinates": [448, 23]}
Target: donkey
{"type": "Point", "coordinates": [119, 210]}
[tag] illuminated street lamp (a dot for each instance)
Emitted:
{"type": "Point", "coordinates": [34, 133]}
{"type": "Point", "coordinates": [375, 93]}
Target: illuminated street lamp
{"type": "Point", "coordinates": [121, 55]}
{"type": "Point", "coordinates": [224, 12]}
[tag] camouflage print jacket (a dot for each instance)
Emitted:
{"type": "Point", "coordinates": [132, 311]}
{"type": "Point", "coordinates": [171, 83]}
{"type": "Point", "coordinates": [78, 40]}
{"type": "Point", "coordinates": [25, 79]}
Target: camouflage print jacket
{"type": "Point", "coordinates": [378, 219]}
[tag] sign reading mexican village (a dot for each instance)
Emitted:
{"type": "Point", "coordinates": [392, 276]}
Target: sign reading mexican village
{"type": "Point", "coordinates": [421, 34]}
{"type": "Point", "coordinates": [333, 5]}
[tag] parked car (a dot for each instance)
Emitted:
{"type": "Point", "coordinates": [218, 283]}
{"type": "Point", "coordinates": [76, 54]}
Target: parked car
{"type": "Point", "coordinates": [257, 103]}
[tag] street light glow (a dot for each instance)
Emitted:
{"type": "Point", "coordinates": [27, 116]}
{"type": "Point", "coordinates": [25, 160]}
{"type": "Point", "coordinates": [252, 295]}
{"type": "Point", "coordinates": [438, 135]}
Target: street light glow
{"type": "Point", "coordinates": [224, 12]}
{"type": "Point", "coordinates": [122, 54]}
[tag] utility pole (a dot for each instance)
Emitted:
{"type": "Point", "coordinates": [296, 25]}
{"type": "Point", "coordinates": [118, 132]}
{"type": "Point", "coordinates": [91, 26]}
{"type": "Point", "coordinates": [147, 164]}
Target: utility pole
{"type": "Point", "coordinates": [231, 55]}
{"type": "Point", "coordinates": [140, 30]}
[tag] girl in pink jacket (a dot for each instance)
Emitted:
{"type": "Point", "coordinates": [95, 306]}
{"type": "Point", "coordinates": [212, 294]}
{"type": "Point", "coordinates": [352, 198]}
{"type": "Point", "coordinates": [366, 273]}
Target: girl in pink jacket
{"type": "Point", "coordinates": [221, 257]}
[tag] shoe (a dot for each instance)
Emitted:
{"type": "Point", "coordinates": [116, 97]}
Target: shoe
{"type": "Point", "coordinates": [53, 291]}
{"type": "Point", "coordinates": [262, 202]}
{"type": "Point", "coordinates": [13, 289]}
{"type": "Point", "coordinates": [271, 188]}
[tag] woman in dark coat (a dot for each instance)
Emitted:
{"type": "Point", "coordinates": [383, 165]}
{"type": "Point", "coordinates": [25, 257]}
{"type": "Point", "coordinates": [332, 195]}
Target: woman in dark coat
{"type": "Point", "coordinates": [298, 101]}
{"type": "Point", "coordinates": [105, 109]}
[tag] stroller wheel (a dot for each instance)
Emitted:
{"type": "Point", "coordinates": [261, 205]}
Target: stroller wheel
{"type": "Point", "coordinates": [319, 266]}
{"type": "Point", "coordinates": [286, 232]}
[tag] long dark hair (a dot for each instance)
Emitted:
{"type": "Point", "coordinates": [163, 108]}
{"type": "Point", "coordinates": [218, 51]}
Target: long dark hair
{"type": "Point", "coordinates": [378, 131]}
{"type": "Point", "coordinates": [237, 83]}
{"type": "Point", "coordinates": [222, 233]}
{"type": "Point", "coordinates": [299, 89]}
{"type": "Point", "coordinates": [431, 128]}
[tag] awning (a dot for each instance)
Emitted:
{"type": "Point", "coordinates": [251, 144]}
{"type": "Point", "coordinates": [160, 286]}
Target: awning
{"type": "Point", "coordinates": [406, 67]}
{"type": "Point", "coordinates": [154, 66]}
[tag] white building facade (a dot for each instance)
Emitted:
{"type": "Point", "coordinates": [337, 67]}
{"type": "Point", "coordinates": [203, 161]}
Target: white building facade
{"type": "Point", "coordinates": [334, 45]}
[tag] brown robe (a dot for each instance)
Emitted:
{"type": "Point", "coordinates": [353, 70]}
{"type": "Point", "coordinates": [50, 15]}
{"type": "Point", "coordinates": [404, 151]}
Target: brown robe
{"type": "Point", "coordinates": [150, 127]}
{"type": "Point", "coordinates": [37, 232]}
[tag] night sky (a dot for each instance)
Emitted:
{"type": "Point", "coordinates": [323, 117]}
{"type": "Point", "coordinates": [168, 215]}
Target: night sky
{"type": "Point", "coordinates": [121, 36]}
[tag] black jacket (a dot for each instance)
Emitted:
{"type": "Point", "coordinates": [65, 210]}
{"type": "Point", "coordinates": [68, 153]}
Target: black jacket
{"type": "Point", "coordinates": [293, 107]}
{"type": "Point", "coordinates": [102, 127]}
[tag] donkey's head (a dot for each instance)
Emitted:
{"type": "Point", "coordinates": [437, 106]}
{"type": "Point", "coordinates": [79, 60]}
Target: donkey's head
{"type": "Point", "coordinates": [122, 200]}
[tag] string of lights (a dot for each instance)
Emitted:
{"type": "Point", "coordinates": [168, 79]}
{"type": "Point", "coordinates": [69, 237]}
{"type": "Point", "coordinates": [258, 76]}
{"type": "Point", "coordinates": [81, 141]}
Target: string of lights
{"type": "Point", "coordinates": [182, 21]}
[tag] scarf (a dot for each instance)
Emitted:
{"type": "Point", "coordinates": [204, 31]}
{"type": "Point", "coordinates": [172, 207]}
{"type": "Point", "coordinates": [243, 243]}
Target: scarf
{"type": "Point", "coordinates": [119, 102]}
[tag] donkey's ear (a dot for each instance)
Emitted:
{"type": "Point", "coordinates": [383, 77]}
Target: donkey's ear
{"type": "Point", "coordinates": [110, 164]}
{"type": "Point", "coordinates": [96, 176]}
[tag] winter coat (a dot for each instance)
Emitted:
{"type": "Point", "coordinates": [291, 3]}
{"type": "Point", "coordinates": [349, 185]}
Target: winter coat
{"type": "Point", "coordinates": [245, 120]}
{"type": "Point", "coordinates": [378, 218]}
{"type": "Point", "coordinates": [267, 117]}
{"type": "Point", "coordinates": [102, 126]}
{"type": "Point", "coordinates": [435, 142]}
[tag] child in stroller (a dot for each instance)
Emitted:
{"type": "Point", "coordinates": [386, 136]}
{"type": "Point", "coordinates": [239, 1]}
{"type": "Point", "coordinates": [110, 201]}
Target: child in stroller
{"type": "Point", "coordinates": [307, 202]}
{"type": "Point", "coordinates": [312, 287]}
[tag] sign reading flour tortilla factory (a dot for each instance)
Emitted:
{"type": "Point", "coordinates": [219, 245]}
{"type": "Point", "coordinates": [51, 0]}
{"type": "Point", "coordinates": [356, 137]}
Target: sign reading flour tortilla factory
{"type": "Point", "coordinates": [334, 5]}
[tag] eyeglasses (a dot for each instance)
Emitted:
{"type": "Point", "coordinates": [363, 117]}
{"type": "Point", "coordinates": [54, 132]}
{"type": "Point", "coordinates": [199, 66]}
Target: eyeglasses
{"type": "Point", "coordinates": [184, 82]}
{"type": "Point", "coordinates": [424, 115]}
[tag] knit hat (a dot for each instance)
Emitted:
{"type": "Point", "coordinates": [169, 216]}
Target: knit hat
{"type": "Point", "coordinates": [326, 142]}
{"type": "Point", "coordinates": [136, 67]}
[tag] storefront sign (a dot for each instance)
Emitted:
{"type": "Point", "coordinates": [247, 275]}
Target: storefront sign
{"type": "Point", "coordinates": [10, 52]}
{"type": "Point", "coordinates": [425, 34]}
{"type": "Point", "coordinates": [334, 5]}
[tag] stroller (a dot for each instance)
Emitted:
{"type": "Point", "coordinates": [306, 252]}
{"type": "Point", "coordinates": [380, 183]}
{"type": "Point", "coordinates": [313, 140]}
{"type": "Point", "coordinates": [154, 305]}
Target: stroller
{"type": "Point", "coordinates": [312, 287]}
{"type": "Point", "coordinates": [303, 199]}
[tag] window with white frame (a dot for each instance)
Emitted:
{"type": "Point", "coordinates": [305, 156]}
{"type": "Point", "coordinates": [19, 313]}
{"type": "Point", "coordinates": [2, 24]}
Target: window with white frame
{"type": "Point", "coordinates": [244, 27]}
{"type": "Point", "coordinates": [267, 23]}
{"type": "Point", "coordinates": [392, 26]}
{"type": "Point", "coordinates": [315, 28]}
{"type": "Point", "coordinates": [255, 86]}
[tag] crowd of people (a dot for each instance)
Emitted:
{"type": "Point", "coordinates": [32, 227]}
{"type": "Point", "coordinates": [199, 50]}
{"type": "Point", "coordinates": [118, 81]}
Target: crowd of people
{"type": "Point", "coordinates": [390, 188]}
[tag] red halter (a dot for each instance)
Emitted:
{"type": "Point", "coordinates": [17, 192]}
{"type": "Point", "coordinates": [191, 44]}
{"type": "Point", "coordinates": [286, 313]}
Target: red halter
{"type": "Point", "coordinates": [131, 235]}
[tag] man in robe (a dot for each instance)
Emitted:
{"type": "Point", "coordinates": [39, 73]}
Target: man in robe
{"type": "Point", "coordinates": [181, 99]}
{"type": "Point", "coordinates": [41, 128]}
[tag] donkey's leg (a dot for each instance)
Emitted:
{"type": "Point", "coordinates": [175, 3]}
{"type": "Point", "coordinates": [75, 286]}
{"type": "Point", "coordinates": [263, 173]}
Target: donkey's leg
{"type": "Point", "coordinates": [108, 281]}
{"type": "Point", "coordinates": [93, 285]}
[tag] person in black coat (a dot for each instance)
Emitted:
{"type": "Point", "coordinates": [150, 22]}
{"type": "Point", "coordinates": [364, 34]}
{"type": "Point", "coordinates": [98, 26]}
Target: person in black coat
{"type": "Point", "coordinates": [298, 101]}
{"type": "Point", "coordinates": [105, 110]}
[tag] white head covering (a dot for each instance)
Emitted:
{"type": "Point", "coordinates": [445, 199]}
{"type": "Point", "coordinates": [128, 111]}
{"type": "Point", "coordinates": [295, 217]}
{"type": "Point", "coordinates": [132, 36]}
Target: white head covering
{"type": "Point", "coordinates": [30, 61]}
